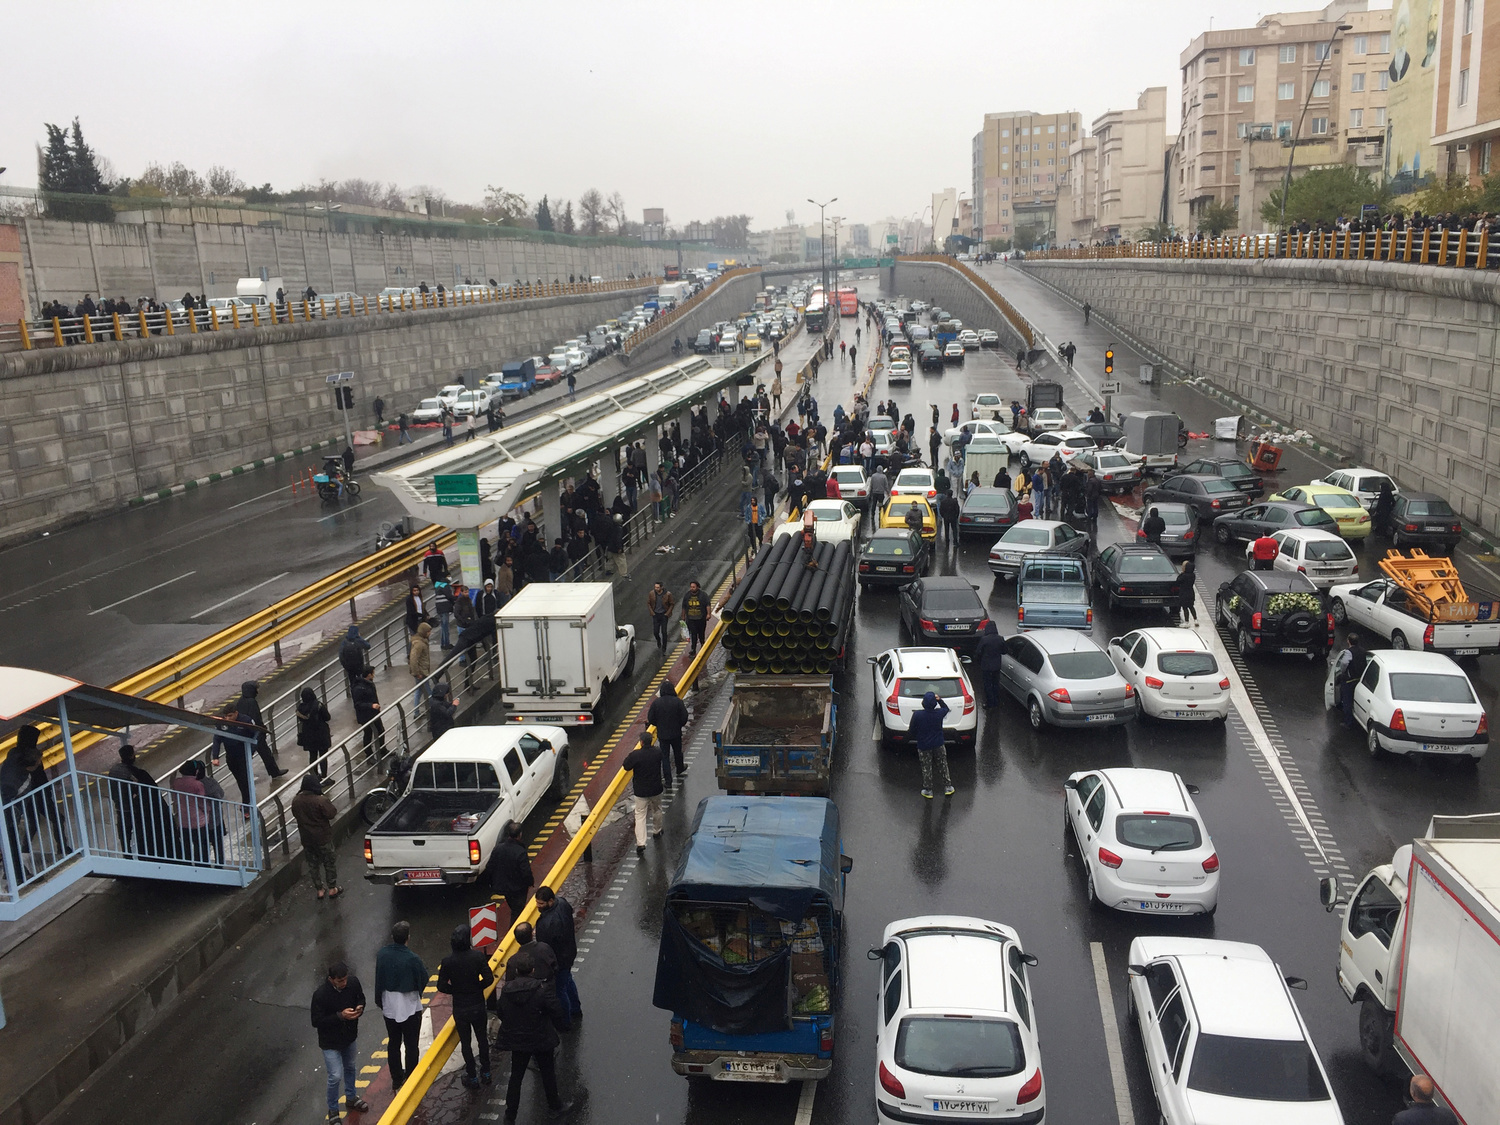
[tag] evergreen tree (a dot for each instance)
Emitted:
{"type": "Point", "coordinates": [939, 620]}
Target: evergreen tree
{"type": "Point", "coordinates": [543, 215]}
{"type": "Point", "coordinates": [568, 224]}
{"type": "Point", "coordinates": [56, 170]}
{"type": "Point", "coordinates": [68, 166]}
{"type": "Point", "coordinates": [86, 179]}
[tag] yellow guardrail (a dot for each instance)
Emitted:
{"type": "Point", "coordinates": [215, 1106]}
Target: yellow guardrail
{"type": "Point", "coordinates": [200, 663]}
{"type": "Point", "coordinates": [1017, 321]}
{"type": "Point", "coordinates": [1459, 249]}
{"type": "Point", "coordinates": [406, 1100]}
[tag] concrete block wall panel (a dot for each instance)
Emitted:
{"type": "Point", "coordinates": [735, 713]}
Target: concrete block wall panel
{"type": "Point", "coordinates": [1395, 365]}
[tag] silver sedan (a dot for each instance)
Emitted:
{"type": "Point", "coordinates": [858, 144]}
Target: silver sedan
{"type": "Point", "coordinates": [1064, 679]}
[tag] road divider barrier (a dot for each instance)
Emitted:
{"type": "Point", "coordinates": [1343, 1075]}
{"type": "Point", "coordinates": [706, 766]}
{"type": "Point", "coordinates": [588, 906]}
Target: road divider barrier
{"type": "Point", "coordinates": [1459, 249]}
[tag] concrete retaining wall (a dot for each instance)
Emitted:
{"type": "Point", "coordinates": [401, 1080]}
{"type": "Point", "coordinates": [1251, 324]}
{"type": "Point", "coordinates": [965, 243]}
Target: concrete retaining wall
{"type": "Point", "coordinates": [953, 293]}
{"type": "Point", "coordinates": [1395, 365]}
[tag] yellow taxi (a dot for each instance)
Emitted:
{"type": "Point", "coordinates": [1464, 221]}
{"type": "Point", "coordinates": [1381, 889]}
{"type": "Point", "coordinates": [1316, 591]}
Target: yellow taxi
{"type": "Point", "coordinates": [1340, 503]}
{"type": "Point", "coordinates": [752, 342]}
{"type": "Point", "coordinates": [896, 509]}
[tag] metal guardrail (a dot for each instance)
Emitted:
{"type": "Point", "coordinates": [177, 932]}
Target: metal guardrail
{"type": "Point", "coordinates": [141, 325]}
{"type": "Point", "coordinates": [1017, 321]}
{"type": "Point", "coordinates": [1459, 249]}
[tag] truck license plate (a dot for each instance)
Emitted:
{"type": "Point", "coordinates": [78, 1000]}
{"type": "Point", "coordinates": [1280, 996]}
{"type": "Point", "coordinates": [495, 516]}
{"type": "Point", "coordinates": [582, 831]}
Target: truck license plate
{"type": "Point", "coordinates": [748, 1070]}
{"type": "Point", "coordinates": [425, 875]}
{"type": "Point", "coordinates": [1466, 652]}
{"type": "Point", "coordinates": [958, 1105]}
{"type": "Point", "coordinates": [752, 760]}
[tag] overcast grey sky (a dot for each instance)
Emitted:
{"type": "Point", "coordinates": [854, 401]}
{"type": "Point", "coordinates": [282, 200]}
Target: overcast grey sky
{"type": "Point", "coordinates": [703, 108]}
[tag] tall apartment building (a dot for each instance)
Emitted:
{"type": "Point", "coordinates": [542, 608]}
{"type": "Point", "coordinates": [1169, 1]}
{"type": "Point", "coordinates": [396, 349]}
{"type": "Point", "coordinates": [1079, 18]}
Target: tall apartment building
{"type": "Point", "coordinates": [1020, 166]}
{"type": "Point", "coordinates": [1466, 109]}
{"type": "Point", "coordinates": [944, 216]}
{"type": "Point", "coordinates": [1130, 145]}
{"type": "Point", "coordinates": [1251, 84]}
{"type": "Point", "coordinates": [1077, 206]}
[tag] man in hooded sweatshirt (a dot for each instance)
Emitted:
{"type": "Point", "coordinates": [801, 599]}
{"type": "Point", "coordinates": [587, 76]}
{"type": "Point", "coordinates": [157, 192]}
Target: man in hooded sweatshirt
{"type": "Point", "coordinates": [668, 714]}
{"type": "Point", "coordinates": [464, 975]}
{"type": "Point", "coordinates": [315, 814]}
{"type": "Point", "coordinates": [353, 654]}
{"type": "Point", "coordinates": [419, 660]}
{"type": "Point", "coordinates": [249, 712]}
{"type": "Point", "coordinates": [530, 1018]}
{"type": "Point", "coordinates": [987, 654]}
{"type": "Point", "coordinates": [927, 732]}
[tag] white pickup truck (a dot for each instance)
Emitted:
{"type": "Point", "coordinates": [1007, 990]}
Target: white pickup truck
{"type": "Point", "coordinates": [464, 787]}
{"type": "Point", "coordinates": [1383, 607]}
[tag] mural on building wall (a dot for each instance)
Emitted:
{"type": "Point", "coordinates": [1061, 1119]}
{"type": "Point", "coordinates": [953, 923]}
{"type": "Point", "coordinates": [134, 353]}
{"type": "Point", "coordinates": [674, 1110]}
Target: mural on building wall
{"type": "Point", "coordinates": [1409, 157]}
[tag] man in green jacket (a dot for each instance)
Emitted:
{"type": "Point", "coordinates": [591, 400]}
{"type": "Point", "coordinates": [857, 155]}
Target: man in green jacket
{"type": "Point", "coordinates": [400, 978]}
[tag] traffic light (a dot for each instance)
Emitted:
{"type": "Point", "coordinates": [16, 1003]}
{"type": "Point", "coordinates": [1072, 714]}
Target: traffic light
{"type": "Point", "coordinates": [1109, 361]}
{"type": "Point", "coordinates": [344, 397]}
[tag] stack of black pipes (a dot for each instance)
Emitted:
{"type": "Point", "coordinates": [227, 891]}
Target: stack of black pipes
{"type": "Point", "coordinates": [786, 616]}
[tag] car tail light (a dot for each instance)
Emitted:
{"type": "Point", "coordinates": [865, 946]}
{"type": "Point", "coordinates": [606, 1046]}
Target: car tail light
{"type": "Point", "coordinates": [1329, 616]}
{"type": "Point", "coordinates": [965, 519]}
{"type": "Point", "coordinates": [1411, 527]}
{"type": "Point", "coordinates": [1032, 1090]}
{"type": "Point", "coordinates": [1398, 720]}
{"type": "Point", "coordinates": [864, 566]}
{"type": "Point", "coordinates": [982, 623]}
{"type": "Point", "coordinates": [674, 1035]}
{"type": "Point", "coordinates": [825, 1038]}
{"type": "Point", "coordinates": [1124, 589]}
{"type": "Point", "coordinates": [892, 703]}
{"type": "Point", "coordinates": [1090, 616]}
{"type": "Point", "coordinates": [1224, 683]}
{"type": "Point", "coordinates": [1211, 864]}
{"type": "Point", "coordinates": [1153, 682]}
{"type": "Point", "coordinates": [1255, 620]}
{"type": "Point", "coordinates": [891, 1084]}
{"type": "Point", "coordinates": [1108, 858]}
{"type": "Point", "coordinates": [369, 851]}
{"type": "Point", "coordinates": [1060, 695]}
{"type": "Point", "coordinates": [1484, 723]}
{"type": "Point", "coordinates": [1456, 527]}
{"type": "Point", "coordinates": [474, 855]}
{"type": "Point", "coordinates": [1301, 570]}
{"type": "Point", "coordinates": [1140, 534]}
{"type": "Point", "coordinates": [1427, 637]}
{"type": "Point", "coordinates": [909, 568]}
{"type": "Point", "coordinates": [1129, 691]}
{"type": "Point", "coordinates": [1189, 534]}
{"type": "Point", "coordinates": [1218, 503]}
{"type": "Point", "coordinates": [927, 626]}
{"type": "Point", "coordinates": [1020, 613]}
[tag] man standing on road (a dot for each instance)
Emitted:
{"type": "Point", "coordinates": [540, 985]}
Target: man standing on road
{"type": "Point", "coordinates": [530, 1018]}
{"type": "Point", "coordinates": [337, 1005]}
{"type": "Point", "coordinates": [949, 508]}
{"type": "Point", "coordinates": [1153, 526]}
{"type": "Point", "coordinates": [1093, 489]}
{"type": "Point", "coordinates": [927, 731]}
{"type": "Point", "coordinates": [510, 870]}
{"type": "Point", "coordinates": [659, 604]}
{"type": "Point", "coordinates": [403, 434]}
{"type": "Point", "coordinates": [880, 485]}
{"type": "Point", "coordinates": [400, 978]}
{"type": "Point", "coordinates": [555, 926]}
{"type": "Point", "coordinates": [695, 613]}
{"type": "Point", "coordinates": [1347, 670]}
{"type": "Point", "coordinates": [668, 714]}
{"type": "Point", "coordinates": [852, 365]}
{"type": "Point", "coordinates": [528, 949]}
{"type": "Point", "coordinates": [464, 975]}
{"type": "Point", "coordinates": [315, 814]}
{"type": "Point", "coordinates": [1423, 1110]}
{"type": "Point", "coordinates": [1263, 553]}
{"type": "Point", "coordinates": [987, 654]}
{"type": "Point", "coordinates": [367, 710]}
{"type": "Point", "coordinates": [934, 446]}
{"type": "Point", "coordinates": [644, 762]}
{"type": "Point", "coordinates": [1087, 309]}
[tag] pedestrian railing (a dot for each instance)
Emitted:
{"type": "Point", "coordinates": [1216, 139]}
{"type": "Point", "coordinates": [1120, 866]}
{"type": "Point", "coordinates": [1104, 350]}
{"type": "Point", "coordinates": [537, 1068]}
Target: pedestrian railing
{"type": "Point", "coordinates": [1460, 249]}
{"type": "Point", "coordinates": [42, 829]}
{"type": "Point", "coordinates": [175, 320]}
{"type": "Point", "coordinates": [1017, 321]}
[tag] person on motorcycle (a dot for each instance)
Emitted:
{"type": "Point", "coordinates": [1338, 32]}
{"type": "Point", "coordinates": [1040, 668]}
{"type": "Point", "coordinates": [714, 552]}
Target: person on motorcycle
{"type": "Point", "coordinates": [333, 469]}
{"type": "Point", "coordinates": [677, 346]}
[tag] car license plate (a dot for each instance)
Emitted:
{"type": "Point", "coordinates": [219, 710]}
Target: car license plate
{"type": "Point", "coordinates": [1099, 718]}
{"type": "Point", "coordinates": [749, 1069]}
{"type": "Point", "coordinates": [956, 628]}
{"type": "Point", "coordinates": [425, 875]}
{"type": "Point", "coordinates": [1292, 648]}
{"type": "Point", "coordinates": [1168, 907]}
{"type": "Point", "coordinates": [1466, 652]}
{"type": "Point", "coordinates": [1442, 748]}
{"type": "Point", "coordinates": [742, 759]}
{"type": "Point", "coordinates": [1190, 714]}
{"type": "Point", "coordinates": [886, 569]}
{"type": "Point", "coordinates": [1151, 601]}
{"type": "Point", "coordinates": [959, 1105]}
{"type": "Point", "coordinates": [1439, 528]}
{"type": "Point", "coordinates": [1011, 558]}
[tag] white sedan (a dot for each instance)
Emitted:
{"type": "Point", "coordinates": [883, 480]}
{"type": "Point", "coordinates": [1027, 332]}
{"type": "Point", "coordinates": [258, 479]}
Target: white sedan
{"type": "Point", "coordinates": [834, 521]}
{"type": "Point", "coordinates": [1321, 555]}
{"type": "Point", "coordinates": [915, 482]}
{"type": "Point", "coordinates": [1174, 672]}
{"type": "Point", "coordinates": [987, 405]}
{"type": "Point", "coordinates": [1013, 440]}
{"type": "Point", "coordinates": [1048, 418]}
{"type": "Point", "coordinates": [1064, 443]}
{"type": "Point", "coordinates": [898, 372]}
{"type": "Point", "coordinates": [1415, 703]}
{"type": "Point", "coordinates": [1145, 848]}
{"type": "Point", "coordinates": [428, 410]}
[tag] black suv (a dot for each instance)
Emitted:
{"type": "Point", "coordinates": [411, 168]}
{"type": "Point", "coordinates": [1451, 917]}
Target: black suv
{"type": "Point", "coordinates": [1422, 519]}
{"type": "Point", "coordinates": [1275, 611]}
{"type": "Point", "coordinates": [1235, 472]}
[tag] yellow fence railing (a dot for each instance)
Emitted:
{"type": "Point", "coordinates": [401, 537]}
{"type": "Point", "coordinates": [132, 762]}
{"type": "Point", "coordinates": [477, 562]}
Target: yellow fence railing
{"type": "Point", "coordinates": [1458, 249]}
{"type": "Point", "coordinates": [1017, 321]}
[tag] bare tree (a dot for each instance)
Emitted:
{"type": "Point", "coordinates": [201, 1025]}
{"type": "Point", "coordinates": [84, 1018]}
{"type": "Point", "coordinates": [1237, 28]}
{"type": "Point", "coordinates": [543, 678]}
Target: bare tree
{"type": "Point", "coordinates": [224, 181]}
{"type": "Point", "coordinates": [508, 207]}
{"type": "Point", "coordinates": [177, 180]}
{"type": "Point", "coordinates": [615, 210]}
{"type": "Point", "coordinates": [591, 211]}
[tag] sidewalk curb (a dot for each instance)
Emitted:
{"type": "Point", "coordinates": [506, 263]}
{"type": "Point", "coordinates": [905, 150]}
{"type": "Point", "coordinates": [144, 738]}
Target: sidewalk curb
{"type": "Point", "coordinates": [179, 489]}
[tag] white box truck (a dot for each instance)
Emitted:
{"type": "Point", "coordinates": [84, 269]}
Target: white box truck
{"type": "Point", "coordinates": [1419, 951]}
{"type": "Point", "coordinates": [254, 291]}
{"type": "Point", "coordinates": [561, 651]}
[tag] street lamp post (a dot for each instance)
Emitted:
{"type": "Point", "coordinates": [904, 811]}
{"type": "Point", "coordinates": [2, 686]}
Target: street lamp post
{"type": "Point", "coordinates": [837, 219]}
{"type": "Point", "coordinates": [1286, 183]}
{"type": "Point", "coordinates": [822, 241]}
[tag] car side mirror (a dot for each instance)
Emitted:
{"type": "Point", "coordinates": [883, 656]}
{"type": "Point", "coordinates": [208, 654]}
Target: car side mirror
{"type": "Point", "coordinates": [846, 863]}
{"type": "Point", "coordinates": [1029, 960]}
{"type": "Point", "coordinates": [965, 660]}
{"type": "Point", "coordinates": [1296, 982]}
{"type": "Point", "coordinates": [1136, 970]}
{"type": "Point", "coordinates": [1070, 784]}
{"type": "Point", "coordinates": [1192, 789]}
{"type": "Point", "coordinates": [875, 954]}
{"type": "Point", "coordinates": [1328, 892]}
{"type": "Point", "coordinates": [869, 660]}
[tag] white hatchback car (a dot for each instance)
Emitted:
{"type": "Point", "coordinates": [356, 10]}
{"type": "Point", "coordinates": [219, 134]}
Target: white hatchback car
{"type": "Point", "coordinates": [915, 482]}
{"type": "Point", "coordinates": [1364, 483]}
{"type": "Point", "coordinates": [834, 521]}
{"type": "Point", "coordinates": [1048, 418]}
{"type": "Point", "coordinates": [898, 372]}
{"type": "Point", "coordinates": [428, 410]}
{"type": "Point", "coordinates": [956, 1036]}
{"type": "Point", "coordinates": [1223, 1039]}
{"type": "Point", "coordinates": [902, 676]}
{"type": "Point", "coordinates": [1410, 702]}
{"type": "Point", "coordinates": [854, 485]}
{"type": "Point", "coordinates": [1174, 672]}
{"type": "Point", "coordinates": [1145, 849]}
{"type": "Point", "coordinates": [1321, 555]}
{"type": "Point", "coordinates": [1001, 431]}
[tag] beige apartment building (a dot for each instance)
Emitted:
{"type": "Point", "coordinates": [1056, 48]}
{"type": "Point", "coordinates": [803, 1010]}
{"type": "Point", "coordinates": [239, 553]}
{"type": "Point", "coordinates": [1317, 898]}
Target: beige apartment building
{"type": "Point", "coordinates": [1466, 110]}
{"type": "Point", "coordinates": [1130, 145]}
{"type": "Point", "coordinates": [1020, 169]}
{"type": "Point", "coordinates": [1250, 84]}
{"type": "Point", "coordinates": [1079, 203]}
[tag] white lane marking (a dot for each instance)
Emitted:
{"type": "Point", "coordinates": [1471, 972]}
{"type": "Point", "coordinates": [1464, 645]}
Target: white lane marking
{"type": "Point", "coordinates": [1111, 1037]}
{"type": "Point", "coordinates": [274, 492]}
{"type": "Point", "coordinates": [805, 1101]}
{"type": "Point", "coordinates": [143, 593]}
{"type": "Point", "coordinates": [240, 595]}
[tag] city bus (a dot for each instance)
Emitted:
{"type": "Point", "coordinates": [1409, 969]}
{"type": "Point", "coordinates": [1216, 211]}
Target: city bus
{"type": "Point", "coordinates": [848, 301]}
{"type": "Point", "coordinates": [817, 312]}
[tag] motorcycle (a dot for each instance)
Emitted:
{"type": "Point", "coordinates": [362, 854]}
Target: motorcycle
{"type": "Point", "coordinates": [333, 483]}
{"type": "Point", "coordinates": [389, 533]}
{"type": "Point", "coordinates": [379, 800]}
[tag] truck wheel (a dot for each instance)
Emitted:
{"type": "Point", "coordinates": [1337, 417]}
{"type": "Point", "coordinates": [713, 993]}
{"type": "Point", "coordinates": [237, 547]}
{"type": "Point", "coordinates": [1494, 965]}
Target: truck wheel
{"type": "Point", "coordinates": [1398, 640]}
{"type": "Point", "coordinates": [1376, 1042]}
{"type": "Point", "coordinates": [1223, 534]}
{"type": "Point", "coordinates": [562, 779]}
{"type": "Point", "coordinates": [629, 663]}
{"type": "Point", "coordinates": [1340, 612]}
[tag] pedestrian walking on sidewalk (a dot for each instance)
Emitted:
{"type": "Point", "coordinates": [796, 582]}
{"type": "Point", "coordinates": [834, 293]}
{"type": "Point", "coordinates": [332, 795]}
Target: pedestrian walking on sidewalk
{"type": "Point", "coordinates": [464, 975]}
{"type": "Point", "coordinates": [751, 511]}
{"type": "Point", "coordinates": [1188, 598]}
{"type": "Point", "coordinates": [313, 732]}
{"type": "Point", "coordinates": [695, 613]}
{"type": "Point", "coordinates": [138, 806]}
{"type": "Point", "coordinates": [403, 431]}
{"type": "Point", "coordinates": [659, 603]}
{"type": "Point", "coordinates": [379, 406]}
{"type": "Point", "coordinates": [367, 712]}
{"type": "Point", "coordinates": [315, 814]}
{"type": "Point", "coordinates": [336, 1006]}
{"type": "Point", "coordinates": [352, 655]}
{"type": "Point", "coordinates": [852, 350]}
{"type": "Point", "coordinates": [926, 730]}
{"type": "Point", "coordinates": [776, 388]}
{"type": "Point", "coordinates": [415, 611]}
{"type": "Point", "coordinates": [555, 927]}
{"type": "Point", "coordinates": [249, 711]}
{"type": "Point", "coordinates": [470, 427]}
{"type": "Point", "coordinates": [447, 416]}
{"type": "Point", "coordinates": [400, 977]}
{"type": "Point", "coordinates": [236, 753]}
{"type": "Point", "coordinates": [644, 762]}
{"type": "Point", "coordinates": [669, 715]}
{"type": "Point", "coordinates": [843, 350]}
{"type": "Point", "coordinates": [530, 1019]}
{"type": "Point", "coordinates": [419, 660]}
{"type": "Point", "coordinates": [510, 870]}
{"type": "Point", "coordinates": [1087, 309]}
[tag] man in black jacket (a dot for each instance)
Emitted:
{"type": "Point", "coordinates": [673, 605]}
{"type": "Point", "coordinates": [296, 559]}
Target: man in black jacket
{"type": "Point", "coordinates": [530, 1018]}
{"type": "Point", "coordinates": [336, 1007]}
{"type": "Point", "coordinates": [949, 509]}
{"type": "Point", "coordinates": [539, 954]}
{"type": "Point", "coordinates": [645, 764]}
{"type": "Point", "coordinates": [352, 655]}
{"type": "Point", "coordinates": [442, 712]}
{"type": "Point", "coordinates": [668, 714]}
{"type": "Point", "coordinates": [555, 926]}
{"type": "Point", "coordinates": [987, 654]}
{"type": "Point", "coordinates": [464, 975]}
{"type": "Point", "coordinates": [249, 712]}
{"type": "Point", "coordinates": [366, 710]}
{"type": "Point", "coordinates": [510, 870]}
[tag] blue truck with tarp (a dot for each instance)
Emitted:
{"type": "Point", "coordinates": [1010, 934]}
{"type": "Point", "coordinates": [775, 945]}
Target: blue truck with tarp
{"type": "Point", "coordinates": [517, 378]}
{"type": "Point", "coordinates": [752, 932]}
